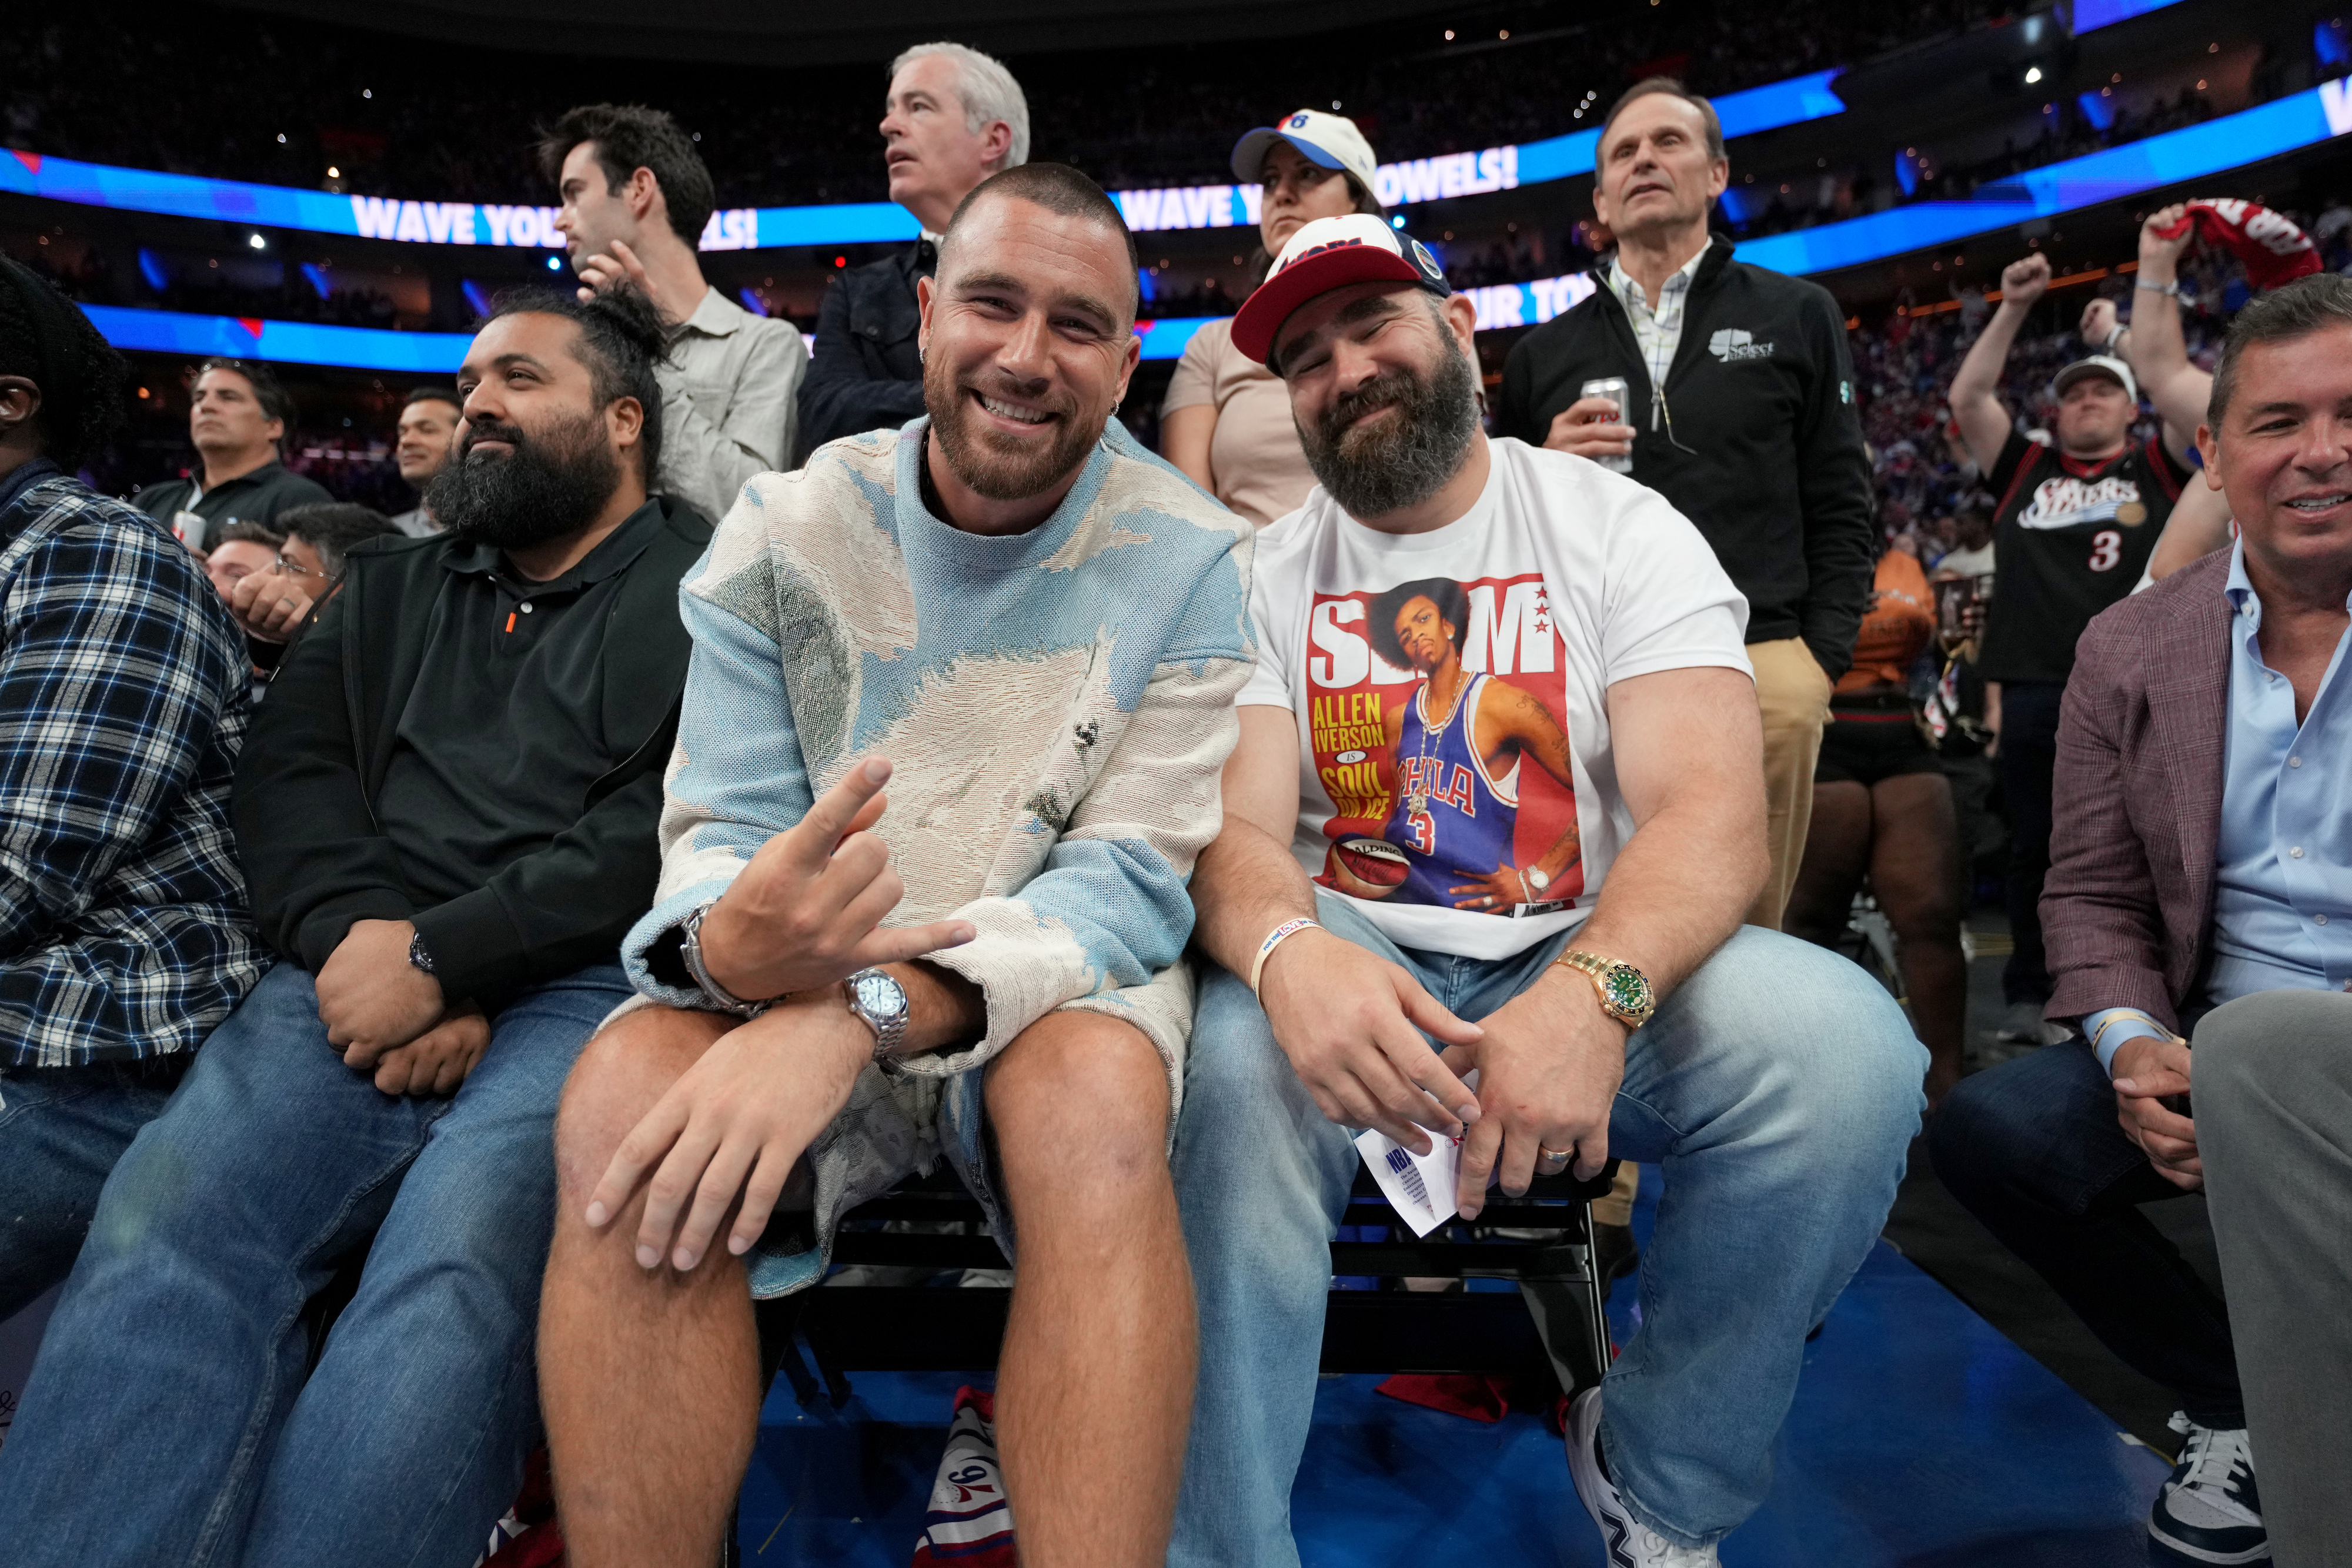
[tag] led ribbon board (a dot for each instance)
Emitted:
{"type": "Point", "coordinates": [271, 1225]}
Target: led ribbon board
{"type": "Point", "coordinates": [850, 223]}
{"type": "Point", "coordinates": [2194, 152]}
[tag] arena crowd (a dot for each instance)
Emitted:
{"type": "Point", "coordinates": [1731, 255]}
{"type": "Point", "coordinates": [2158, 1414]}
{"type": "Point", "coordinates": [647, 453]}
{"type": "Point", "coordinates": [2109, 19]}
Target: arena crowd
{"type": "Point", "coordinates": [748, 776]}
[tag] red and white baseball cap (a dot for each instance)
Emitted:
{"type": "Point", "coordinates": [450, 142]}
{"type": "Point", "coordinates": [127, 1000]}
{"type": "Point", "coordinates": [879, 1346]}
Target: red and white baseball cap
{"type": "Point", "coordinates": [1329, 141]}
{"type": "Point", "coordinates": [1328, 253]}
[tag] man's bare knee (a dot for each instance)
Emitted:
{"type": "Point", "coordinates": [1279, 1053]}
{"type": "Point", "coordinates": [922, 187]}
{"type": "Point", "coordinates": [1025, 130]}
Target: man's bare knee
{"type": "Point", "coordinates": [622, 1073]}
{"type": "Point", "coordinates": [1091, 1087]}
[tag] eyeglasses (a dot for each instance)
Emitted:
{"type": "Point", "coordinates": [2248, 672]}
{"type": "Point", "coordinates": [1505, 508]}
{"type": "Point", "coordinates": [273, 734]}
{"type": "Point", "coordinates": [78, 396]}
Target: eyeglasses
{"type": "Point", "coordinates": [285, 567]}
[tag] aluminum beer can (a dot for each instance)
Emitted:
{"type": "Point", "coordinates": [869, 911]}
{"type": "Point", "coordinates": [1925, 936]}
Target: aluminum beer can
{"type": "Point", "coordinates": [1616, 388]}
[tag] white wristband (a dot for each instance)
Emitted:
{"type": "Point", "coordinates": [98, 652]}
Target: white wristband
{"type": "Point", "coordinates": [1275, 938]}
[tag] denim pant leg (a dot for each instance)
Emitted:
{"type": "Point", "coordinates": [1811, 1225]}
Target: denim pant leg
{"type": "Point", "coordinates": [1261, 1182]}
{"type": "Point", "coordinates": [178, 1346]}
{"type": "Point", "coordinates": [408, 1442]}
{"type": "Point", "coordinates": [62, 1129]}
{"type": "Point", "coordinates": [2032, 1149]}
{"type": "Point", "coordinates": [1779, 1088]}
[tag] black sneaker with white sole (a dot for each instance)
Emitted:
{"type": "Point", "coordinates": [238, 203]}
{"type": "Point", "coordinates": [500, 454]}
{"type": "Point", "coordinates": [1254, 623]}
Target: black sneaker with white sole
{"type": "Point", "coordinates": [2209, 1510]}
{"type": "Point", "coordinates": [1630, 1542]}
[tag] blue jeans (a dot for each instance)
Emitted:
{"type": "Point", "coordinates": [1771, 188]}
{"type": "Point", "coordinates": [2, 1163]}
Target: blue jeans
{"type": "Point", "coordinates": [62, 1129]}
{"type": "Point", "coordinates": [167, 1420]}
{"type": "Point", "coordinates": [1778, 1087]}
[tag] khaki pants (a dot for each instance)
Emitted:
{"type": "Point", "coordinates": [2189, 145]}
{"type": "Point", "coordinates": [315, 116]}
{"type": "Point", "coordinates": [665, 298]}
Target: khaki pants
{"type": "Point", "coordinates": [1794, 690]}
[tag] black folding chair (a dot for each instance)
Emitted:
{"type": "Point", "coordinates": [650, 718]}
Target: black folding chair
{"type": "Point", "coordinates": [1544, 1243]}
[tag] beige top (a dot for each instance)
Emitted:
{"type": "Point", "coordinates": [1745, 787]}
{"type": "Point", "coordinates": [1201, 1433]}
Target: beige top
{"type": "Point", "coordinates": [730, 398]}
{"type": "Point", "coordinates": [1255, 457]}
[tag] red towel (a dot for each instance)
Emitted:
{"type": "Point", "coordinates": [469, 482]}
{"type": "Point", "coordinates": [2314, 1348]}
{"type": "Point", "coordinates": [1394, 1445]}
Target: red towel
{"type": "Point", "coordinates": [2273, 250]}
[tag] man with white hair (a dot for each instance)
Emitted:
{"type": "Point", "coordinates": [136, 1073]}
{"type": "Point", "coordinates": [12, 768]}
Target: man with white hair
{"type": "Point", "coordinates": [953, 117]}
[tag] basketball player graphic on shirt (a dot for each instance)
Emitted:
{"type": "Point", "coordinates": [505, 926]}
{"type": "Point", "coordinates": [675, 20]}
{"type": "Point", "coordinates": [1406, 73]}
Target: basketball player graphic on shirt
{"type": "Point", "coordinates": [1455, 748]}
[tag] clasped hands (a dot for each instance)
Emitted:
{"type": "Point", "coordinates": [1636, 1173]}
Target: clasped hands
{"type": "Point", "coordinates": [2147, 1072]}
{"type": "Point", "coordinates": [804, 916]}
{"type": "Point", "coordinates": [1548, 1063]}
{"type": "Point", "coordinates": [388, 1018]}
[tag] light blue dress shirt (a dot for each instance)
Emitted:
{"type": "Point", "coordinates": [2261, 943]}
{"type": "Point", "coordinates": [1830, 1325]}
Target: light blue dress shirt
{"type": "Point", "coordinates": [2283, 884]}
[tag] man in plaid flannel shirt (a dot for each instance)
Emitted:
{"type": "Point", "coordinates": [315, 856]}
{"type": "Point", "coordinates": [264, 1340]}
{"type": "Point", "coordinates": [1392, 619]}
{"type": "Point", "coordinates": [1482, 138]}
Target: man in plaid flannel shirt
{"type": "Point", "coordinates": [123, 932]}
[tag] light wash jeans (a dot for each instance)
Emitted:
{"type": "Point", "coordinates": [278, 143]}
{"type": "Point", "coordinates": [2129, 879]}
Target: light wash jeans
{"type": "Point", "coordinates": [1779, 1087]}
{"type": "Point", "coordinates": [167, 1420]}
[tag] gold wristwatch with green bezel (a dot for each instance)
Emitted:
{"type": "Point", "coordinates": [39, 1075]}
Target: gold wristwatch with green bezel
{"type": "Point", "coordinates": [1625, 992]}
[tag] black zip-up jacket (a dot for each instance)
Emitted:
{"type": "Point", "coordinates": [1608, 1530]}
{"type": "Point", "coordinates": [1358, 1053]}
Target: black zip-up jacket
{"type": "Point", "coordinates": [313, 766]}
{"type": "Point", "coordinates": [1764, 451]}
{"type": "Point", "coordinates": [866, 372]}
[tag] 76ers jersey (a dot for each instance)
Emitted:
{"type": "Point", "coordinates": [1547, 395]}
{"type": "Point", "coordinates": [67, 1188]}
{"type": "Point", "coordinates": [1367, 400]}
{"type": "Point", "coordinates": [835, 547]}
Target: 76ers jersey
{"type": "Point", "coordinates": [1453, 821]}
{"type": "Point", "coordinates": [2071, 537]}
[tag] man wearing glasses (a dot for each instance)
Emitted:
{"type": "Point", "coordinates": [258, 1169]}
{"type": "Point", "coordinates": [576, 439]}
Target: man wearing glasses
{"type": "Point", "coordinates": [1737, 403]}
{"type": "Point", "coordinates": [272, 597]}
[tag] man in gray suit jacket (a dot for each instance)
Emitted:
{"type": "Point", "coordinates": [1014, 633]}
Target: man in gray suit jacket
{"type": "Point", "coordinates": [2201, 879]}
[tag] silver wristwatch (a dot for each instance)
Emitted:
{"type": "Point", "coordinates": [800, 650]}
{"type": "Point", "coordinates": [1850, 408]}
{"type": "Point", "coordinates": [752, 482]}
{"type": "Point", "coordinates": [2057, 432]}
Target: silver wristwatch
{"type": "Point", "coordinates": [690, 948]}
{"type": "Point", "coordinates": [881, 1002]}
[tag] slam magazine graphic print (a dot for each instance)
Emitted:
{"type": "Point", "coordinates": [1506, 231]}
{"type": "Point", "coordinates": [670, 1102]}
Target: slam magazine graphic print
{"type": "Point", "coordinates": [1433, 713]}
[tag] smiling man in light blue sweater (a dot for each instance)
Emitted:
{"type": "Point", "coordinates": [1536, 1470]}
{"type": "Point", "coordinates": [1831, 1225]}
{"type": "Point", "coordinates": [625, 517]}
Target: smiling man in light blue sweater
{"type": "Point", "coordinates": [1034, 631]}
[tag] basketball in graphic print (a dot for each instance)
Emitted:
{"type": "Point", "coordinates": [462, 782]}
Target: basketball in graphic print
{"type": "Point", "coordinates": [1367, 868]}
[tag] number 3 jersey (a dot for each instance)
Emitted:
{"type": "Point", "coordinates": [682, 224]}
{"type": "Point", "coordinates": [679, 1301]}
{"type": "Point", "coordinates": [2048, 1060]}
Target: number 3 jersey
{"type": "Point", "coordinates": [2071, 537]}
{"type": "Point", "coordinates": [1456, 775]}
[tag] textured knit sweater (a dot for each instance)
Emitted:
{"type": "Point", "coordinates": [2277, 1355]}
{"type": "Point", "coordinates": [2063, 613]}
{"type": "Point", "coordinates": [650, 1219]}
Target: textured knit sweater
{"type": "Point", "coordinates": [1057, 705]}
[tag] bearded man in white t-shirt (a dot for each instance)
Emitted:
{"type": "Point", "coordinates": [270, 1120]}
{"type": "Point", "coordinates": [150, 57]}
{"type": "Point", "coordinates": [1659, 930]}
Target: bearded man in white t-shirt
{"type": "Point", "coordinates": [1390, 872]}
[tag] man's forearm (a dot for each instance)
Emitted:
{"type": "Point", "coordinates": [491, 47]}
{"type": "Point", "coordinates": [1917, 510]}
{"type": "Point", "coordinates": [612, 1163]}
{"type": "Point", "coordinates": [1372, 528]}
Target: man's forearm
{"type": "Point", "coordinates": [1245, 885]}
{"type": "Point", "coordinates": [2158, 350]}
{"type": "Point", "coordinates": [1979, 371]}
{"type": "Point", "coordinates": [1677, 891]}
{"type": "Point", "coordinates": [943, 1008]}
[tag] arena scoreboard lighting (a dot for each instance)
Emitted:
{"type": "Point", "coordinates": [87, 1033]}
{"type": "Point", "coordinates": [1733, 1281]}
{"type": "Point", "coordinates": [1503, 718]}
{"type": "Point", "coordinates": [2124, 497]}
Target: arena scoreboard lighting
{"type": "Point", "coordinates": [2173, 158]}
{"type": "Point", "coordinates": [1411, 184]}
{"type": "Point", "coordinates": [2284, 125]}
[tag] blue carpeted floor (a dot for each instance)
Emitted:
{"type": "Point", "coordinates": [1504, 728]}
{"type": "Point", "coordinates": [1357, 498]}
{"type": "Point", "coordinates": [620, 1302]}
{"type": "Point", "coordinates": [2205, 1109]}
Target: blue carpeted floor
{"type": "Point", "coordinates": [1920, 1438]}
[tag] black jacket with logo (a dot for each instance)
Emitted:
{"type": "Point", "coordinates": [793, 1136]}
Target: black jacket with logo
{"type": "Point", "coordinates": [866, 372]}
{"type": "Point", "coordinates": [313, 770]}
{"type": "Point", "coordinates": [1758, 442]}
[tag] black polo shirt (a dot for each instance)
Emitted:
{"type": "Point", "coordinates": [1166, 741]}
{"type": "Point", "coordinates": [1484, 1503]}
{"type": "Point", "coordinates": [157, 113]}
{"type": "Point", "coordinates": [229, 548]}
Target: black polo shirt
{"type": "Point", "coordinates": [503, 732]}
{"type": "Point", "coordinates": [255, 497]}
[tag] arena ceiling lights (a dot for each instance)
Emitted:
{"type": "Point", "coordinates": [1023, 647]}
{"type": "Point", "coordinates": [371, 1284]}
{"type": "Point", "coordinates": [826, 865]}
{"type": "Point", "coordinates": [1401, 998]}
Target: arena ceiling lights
{"type": "Point", "coordinates": [1766, 108]}
{"type": "Point", "coordinates": [2268, 131]}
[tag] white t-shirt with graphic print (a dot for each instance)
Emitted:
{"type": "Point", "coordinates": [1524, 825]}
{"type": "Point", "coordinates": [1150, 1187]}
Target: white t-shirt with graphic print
{"type": "Point", "coordinates": [1455, 766]}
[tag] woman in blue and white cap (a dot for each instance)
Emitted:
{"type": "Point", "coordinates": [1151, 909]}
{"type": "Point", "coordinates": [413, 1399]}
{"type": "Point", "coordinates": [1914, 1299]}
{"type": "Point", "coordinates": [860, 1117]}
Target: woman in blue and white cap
{"type": "Point", "coordinates": [1226, 420]}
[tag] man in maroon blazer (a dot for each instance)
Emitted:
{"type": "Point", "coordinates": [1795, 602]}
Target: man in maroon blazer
{"type": "Point", "coordinates": [2201, 879]}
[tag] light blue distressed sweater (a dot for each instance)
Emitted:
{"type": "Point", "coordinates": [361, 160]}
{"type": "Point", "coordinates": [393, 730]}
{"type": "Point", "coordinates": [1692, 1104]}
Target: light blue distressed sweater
{"type": "Point", "coordinates": [1057, 705]}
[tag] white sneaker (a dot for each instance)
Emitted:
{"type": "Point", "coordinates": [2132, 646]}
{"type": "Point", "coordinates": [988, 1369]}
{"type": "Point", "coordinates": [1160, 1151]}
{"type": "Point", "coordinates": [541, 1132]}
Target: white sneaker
{"type": "Point", "coordinates": [1631, 1544]}
{"type": "Point", "coordinates": [2209, 1510]}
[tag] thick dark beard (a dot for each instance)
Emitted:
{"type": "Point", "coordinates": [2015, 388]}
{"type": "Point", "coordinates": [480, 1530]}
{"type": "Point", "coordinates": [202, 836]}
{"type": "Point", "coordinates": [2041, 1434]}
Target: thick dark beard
{"type": "Point", "coordinates": [990, 470]}
{"type": "Point", "coordinates": [1405, 460]}
{"type": "Point", "coordinates": [552, 484]}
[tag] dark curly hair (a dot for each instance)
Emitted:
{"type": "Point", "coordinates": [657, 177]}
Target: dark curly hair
{"type": "Point", "coordinates": [333, 527]}
{"type": "Point", "coordinates": [1380, 615]}
{"type": "Point", "coordinates": [629, 137]}
{"type": "Point", "coordinates": [45, 339]}
{"type": "Point", "coordinates": [621, 340]}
